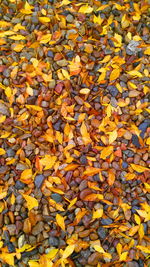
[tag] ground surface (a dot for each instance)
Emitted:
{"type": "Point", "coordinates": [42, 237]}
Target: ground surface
{"type": "Point", "coordinates": [74, 133]}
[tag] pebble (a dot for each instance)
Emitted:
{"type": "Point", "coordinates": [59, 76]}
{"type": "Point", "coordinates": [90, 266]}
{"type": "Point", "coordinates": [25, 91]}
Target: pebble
{"type": "Point", "coordinates": [70, 18]}
{"type": "Point", "coordinates": [56, 197]}
{"type": "Point", "coordinates": [4, 109]}
{"type": "Point", "coordinates": [132, 264]}
{"type": "Point", "coordinates": [62, 63]}
{"type": "Point", "coordinates": [10, 152]}
{"type": "Point", "coordinates": [83, 160]}
{"type": "Point", "coordinates": [53, 241]}
{"type": "Point", "coordinates": [143, 127]}
{"type": "Point", "coordinates": [132, 48]}
{"type": "Point", "coordinates": [106, 221]}
{"type": "Point", "coordinates": [135, 140]}
{"type": "Point", "coordinates": [85, 193]}
{"type": "Point", "coordinates": [39, 179]}
{"type": "Point", "coordinates": [93, 259]}
{"type": "Point", "coordinates": [102, 232]}
{"type": "Point", "coordinates": [19, 185]}
{"type": "Point", "coordinates": [113, 90]}
{"type": "Point", "coordinates": [38, 228]}
{"type": "Point", "coordinates": [11, 229]}
{"type": "Point", "coordinates": [57, 125]}
{"type": "Point", "coordinates": [127, 135]}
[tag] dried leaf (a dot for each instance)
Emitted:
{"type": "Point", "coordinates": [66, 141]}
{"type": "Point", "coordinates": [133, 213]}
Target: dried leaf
{"type": "Point", "coordinates": [106, 152]}
{"type": "Point", "coordinates": [144, 249]}
{"type": "Point", "coordinates": [68, 251]}
{"type": "Point", "coordinates": [2, 151]}
{"type": "Point", "coordinates": [123, 256]}
{"type": "Point", "coordinates": [85, 135]}
{"type": "Point", "coordinates": [98, 213]}
{"type": "Point", "coordinates": [60, 221]}
{"type": "Point", "coordinates": [85, 9]}
{"type": "Point", "coordinates": [31, 201]}
{"type": "Point", "coordinates": [8, 258]}
{"type": "Point", "coordinates": [26, 175]}
{"type": "Point", "coordinates": [113, 136]}
{"type": "Point", "coordinates": [139, 168]}
{"type": "Point", "coordinates": [137, 219]}
{"type": "Point", "coordinates": [44, 19]}
{"type": "Point", "coordinates": [111, 177]}
{"type": "Point", "coordinates": [114, 74]}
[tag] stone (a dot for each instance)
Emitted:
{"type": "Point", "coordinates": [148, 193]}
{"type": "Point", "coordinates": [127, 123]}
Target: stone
{"type": "Point", "coordinates": [56, 197]}
{"type": "Point", "coordinates": [107, 221]}
{"type": "Point", "coordinates": [132, 48]}
{"type": "Point", "coordinates": [62, 63]}
{"type": "Point", "coordinates": [132, 264]}
{"type": "Point", "coordinates": [143, 127]}
{"type": "Point", "coordinates": [11, 229]}
{"type": "Point", "coordinates": [69, 18]}
{"type": "Point", "coordinates": [94, 258]}
{"type": "Point", "coordinates": [50, 54]}
{"type": "Point", "coordinates": [4, 109]}
{"type": "Point", "coordinates": [10, 152]}
{"type": "Point", "coordinates": [83, 160]}
{"type": "Point", "coordinates": [102, 232]}
{"type": "Point", "coordinates": [19, 185]}
{"type": "Point", "coordinates": [39, 179]}
{"type": "Point", "coordinates": [113, 90]}
{"type": "Point", "coordinates": [135, 140]}
{"type": "Point", "coordinates": [53, 241]}
{"type": "Point", "coordinates": [38, 228]}
{"type": "Point", "coordinates": [57, 125]}
{"type": "Point", "coordinates": [127, 135]}
{"type": "Point", "coordinates": [134, 93]}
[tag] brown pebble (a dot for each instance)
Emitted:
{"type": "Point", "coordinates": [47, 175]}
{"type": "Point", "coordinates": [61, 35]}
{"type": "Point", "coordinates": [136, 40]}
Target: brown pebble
{"type": "Point", "coordinates": [85, 193]}
{"type": "Point", "coordinates": [84, 233]}
{"type": "Point", "coordinates": [94, 258]}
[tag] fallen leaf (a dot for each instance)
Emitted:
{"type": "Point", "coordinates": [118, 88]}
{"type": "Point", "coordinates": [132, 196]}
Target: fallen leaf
{"type": "Point", "coordinates": [60, 221]}
{"type": "Point", "coordinates": [31, 201]}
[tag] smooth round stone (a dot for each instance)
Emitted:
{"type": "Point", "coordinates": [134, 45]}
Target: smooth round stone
{"type": "Point", "coordinates": [102, 232]}
{"type": "Point", "coordinates": [53, 241]}
{"type": "Point", "coordinates": [70, 18]}
{"type": "Point", "coordinates": [50, 54]}
{"type": "Point", "coordinates": [106, 221]}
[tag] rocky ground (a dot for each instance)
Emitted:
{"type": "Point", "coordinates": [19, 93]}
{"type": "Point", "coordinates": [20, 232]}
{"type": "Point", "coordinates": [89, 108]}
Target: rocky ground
{"type": "Point", "coordinates": [74, 133]}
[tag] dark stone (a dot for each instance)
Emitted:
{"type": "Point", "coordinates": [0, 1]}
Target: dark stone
{"type": "Point", "coordinates": [39, 179]}
{"type": "Point", "coordinates": [135, 140]}
{"type": "Point", "coordinates": [106, 221]}
{"type": "Point", "coordinates": [134, 208]}
{"type": "Point", "coordinates": [129, 153]}
{"type": "Point", "coordinates": [53, 241]}
{"type": "Point", "coordinates": [10, 152]}
{"type": "Point", "coordinates": [57, 125]}
{"type": "Point", "coordinates": [50, 54]}
{"type": "Point", "coordinates": [113, 90]}
{"type": "Point", "coordinates": [141, 263]}
{"type": "Point", "coordinates": [143, 127]}
{"type": "Point", "coordinates": [19, 185]}
{"type": "Point", "coordinates": [135, 202]}
{"type": "Point", "coordinates": [102, 232]}
{"type": "Point", "coordinates": [124, 165]}
{"type": "Point", "coordinates": [83, 160]}
{"type": "Point", "coordinates": [11, 247]}
{"type": "Point", "coordinates": [56, 197]}
{"type": "Point", "coordinates": [70, 54]}
{"type": "Point", "coordinates": [30, 253]}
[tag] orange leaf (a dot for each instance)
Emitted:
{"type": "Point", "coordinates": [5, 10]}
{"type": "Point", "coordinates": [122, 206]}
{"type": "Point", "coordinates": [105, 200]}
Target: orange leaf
{"type": "Point", "coordinates": [93, 197]}
{"type": "Point", "coordinates": [85, 135]}
{"type": "Point", "coordinates": [106, 152]}
{"type": "Point", "coordinates": [111, 177]}
{"type": "Point", "coordinates": [8, 258]}
{"type": "Point", "coordinates": [91, 171]}
{"type": "Point", "coordinates": [141, 231]}
{"type": "Point", "coordinates": [60, 221]}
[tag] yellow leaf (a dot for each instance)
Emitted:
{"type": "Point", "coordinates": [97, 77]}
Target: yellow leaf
{"type": "Point", "coordinates": [133, 230]}
{"type": "Point", "coordinates": [98, 20]}
{"type": "Point", "coordinates": [52, 253]}
{"type": "Point", "coordinates": [114, 74]}
{"type": "Point", "coordinates": [9, 162]}
{"type": "Point", "coordinates": [91, 171]}
{"type": "Point", "coordinates": [17, 37]}
{"type": "Point", "coordinates": [118, 39]}
{"type": "Point", "coordinates": [65, 74]}
{"type": "Point", "coordinates": [119, 249]}
{"type": "Point", "coordinates": [65, 2]}
{"type": "Point", "coordinates": [139, 168]}
{"type": "Point", "coordinates": [99, 249]}
{"type": "Point", "coordinates": [102, 7]}
{"type": "Point", "coordinates": [18, 47]}
{"type": "Point", "coordinates": [27, 9]}
{"type": "Point", "coordinates": [45, 38]}
{"type": "Point", "coordinates": [112, 136]}
{"type": "Point", "coordinates": [147, 51]}
{"type": "Point", "coordinates": [3, 195]}
{"type": "Point", "coordinates": [111, 177]}
{"type": "Point", "coordinates": [48, 161]}
{"type": "Point", "coordinates": [84, 91]}
{"type": "Point", "coordinates": [106, 152]}
{"type": "Point", "coordinates": [68, 251]}
{"type": "Point", "coordinates": [2, 118]}
{"type": "Point", "coordinates": [31, 201]}
{"type": "Point", "coordinates": [85, 9]}
{"type": "Point", "coordinates": [98, 213]}
{"type": "Point", "coordinates": [135, 73]}
{"type": "Point", "coordinates": [59, 137]}
{"type": "Point", "coordinates": [34, 107]}
{"type": "Point", "coordinates": [147, 187]}
{"type": "Point", "coordinates": [2, 151]}
{"type": "Point", "coordinates": [4, 24]}
{"type": "Point", "coordinates": [72, 202]}
{"type": "Point", "coordinates": [26, 174]}
{"type": "Point", "coordinates": [137, 219]}
{"type": "Point", "coordinates": [12, 199]}
{"type": "Point", "coordinates": [123, 256]}
{"type": "Point", "coordinates": [141, 231]}
{"type": "Point", "coordinates": [44, 19]}
{"type": "Point", "coordinates": [144, 249]}
{"type": "Point", "coordinates": [33, 264]}
{"type": "Point", "coordinates": [8, 258]}
{"type": "Point", "coordinates": [60, 221]}
{"type": "Point", "coordinates": [130, 176]}
{"type": "Point", "coordinates": [85, 135]}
